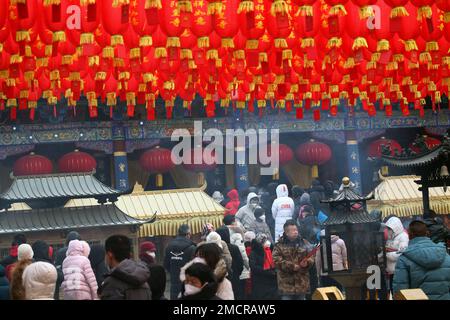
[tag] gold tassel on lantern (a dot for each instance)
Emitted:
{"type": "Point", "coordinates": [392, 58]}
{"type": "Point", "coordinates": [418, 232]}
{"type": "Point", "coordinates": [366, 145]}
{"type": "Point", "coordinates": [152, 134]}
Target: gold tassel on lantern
{"type": "Point", "coordinates": [186, 54]}
{"type": "Point", "coordinates": [59, 36]}
{"type": "Point", "coordinates": [239, 54]}
{"type": "Point", "coordinates": [252, 44]}
{"type": "Point", "coordinates": [246, 6]}
{"type": "Point", "coordinates": [338, 10]}
{"type": "Point", "coordinates": [279, 6]}
{"type": "Point", "coordinates": [117, 3]}
{"type": "Point", "coordinates": [111, 99]}
{"type": "Point", "coordinates": [432, 46]}
{"type": "Point", "coordinates": [150, 4]}
{"type": "Point", "coordinates": [280, 43]}
{"type": "Point", "coordinates": [212, 54]}
{"type": "Point", "coordinates": [52, 100]}
{"type": "Point", "coordinates": [23, 36]}
{"type": "Point", "coordinates": [173, 42]}
{"type": "Point", "coordinates": [184, 5]}
{"type": "Point", "coordinates": [203, 42]}
{"type": "Point", "coordinates": [411, 45]}
{"type": "Point", "coordinates": [315, 171]}
{"type": "Point", "coordinates": [145, 41]}
{"type": "Point", "coordinates": [424, 12]}
{"type": "Point", "coordinates": [447, 17]}
{"type": "Point", "coordinates": [215, 8]}
{"type": "Point", "coordinates": [383, 45]}
{"type": "Point", "coordinates": [160, 52]}
{"type": "Point", "coordinates": [366, 12]}
{"type": "Point", "coordinates": [159, 180]}
{"type": "Point", "coordinates": [51, 2]}
{"type": "Point", "coordinates": [131, 98]}
{"type": "Point", "coordinates": [116, 39]}
{"type": "Point", "coordinates": [307, 42]}
{"type": "Point", "coordinates": [399, 12]}
{"type": "Point", "coordinates": [263, 57]}
{"type": "Point", "coordinates": [334, 42]}
{"type": "Point", "coordinates": [11, 103]}
{"type": "Point", "coordinates": [86, 38]}
{"type": "Point", "coordinates": [135, 53]}
{"type": "Point", "coordinates": [305, 11]}
{"type": "Point", "coordinates": [68, 59]}
{"type": "Point", "coordinates": [359, 43]}
{"type": "Point", "coordinates": [32, 104]}
{"type": "Point", "coordinates": [227, 43]}
{"type": "Point", "coordinates": [108, 52]}
{"type": "Point", "coordinates": [28, 75]}
{"type": "Point", "coordinates": [15, 59]}
{"type": "Point", "coordinates": [287, 54]}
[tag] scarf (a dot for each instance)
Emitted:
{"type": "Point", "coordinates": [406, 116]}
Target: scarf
{"type": "Point", "coordinates": [268, 259]}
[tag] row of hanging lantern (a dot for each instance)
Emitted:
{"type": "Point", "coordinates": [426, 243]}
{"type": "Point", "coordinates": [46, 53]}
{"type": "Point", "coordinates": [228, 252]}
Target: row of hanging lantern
{"type": "Point", "coordinates": [72, 162]}
{"type": "Point", "coordinates": [306, 54]}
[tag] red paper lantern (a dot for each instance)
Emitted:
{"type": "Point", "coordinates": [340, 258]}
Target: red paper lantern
{"type": "Point", "coordinates": [376, 147]}
{"type": "Point", "coordinates": [157, 160]}
{"type": "Point", "coordinates": [77, 161]}
{"type": "Point", "coordinates": [313, 153]}
{"type": "Point", "coordinates": [31, 165]}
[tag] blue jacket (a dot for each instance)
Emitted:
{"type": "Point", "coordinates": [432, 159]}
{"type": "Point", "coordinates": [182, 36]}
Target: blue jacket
{"type": "Point", "coordinates": [425, 265]}
{"type": "Point", "coordinates": [4, 285]}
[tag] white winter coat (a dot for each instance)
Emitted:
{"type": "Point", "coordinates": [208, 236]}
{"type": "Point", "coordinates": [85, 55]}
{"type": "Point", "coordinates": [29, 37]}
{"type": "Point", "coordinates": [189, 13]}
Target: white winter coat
{"type": "Point", "coordinates": [237, 240]}
{"type": "Point", "coordinates": [398, 242]}
{"type": "Point", "coordinates": [282, 209]}
{"type": "Point", "coordinates": [245, 216]}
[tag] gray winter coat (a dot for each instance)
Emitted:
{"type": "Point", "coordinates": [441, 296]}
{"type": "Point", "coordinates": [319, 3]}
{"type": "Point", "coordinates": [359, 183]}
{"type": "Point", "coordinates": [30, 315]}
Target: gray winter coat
{"type": "Point", "coordinates": [127, 281]}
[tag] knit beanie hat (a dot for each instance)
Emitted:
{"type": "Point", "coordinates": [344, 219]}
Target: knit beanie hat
{"type": "Point", "coordinates": [147, 246]}
{"type": "Point", "coordinates": [249, 236]}
{"type": "Point", "coordinates": [214, 237]}
{"type": "Point", "coordinates": [25, 252]}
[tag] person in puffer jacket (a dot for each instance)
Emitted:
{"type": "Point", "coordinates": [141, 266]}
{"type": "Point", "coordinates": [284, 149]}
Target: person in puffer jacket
{"type": "Point", "coordinates": [234, 203]}
{"type": "Point", "coordinates": [245, 215]}
{"type": "Point", "coordinates": [79, 278]}
{"type": "Point", "coordinates": [238, 241]}
{"type": "Point", "coordinates": [282, 209]}
{"type": "Point", "coordinates": [424, 264]}
{"type": "Point", "coordinates": [396, 243]}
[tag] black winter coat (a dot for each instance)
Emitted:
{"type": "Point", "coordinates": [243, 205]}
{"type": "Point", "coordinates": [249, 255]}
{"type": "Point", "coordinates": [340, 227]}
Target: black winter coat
{"type": "Point", "coordinates": [127, 281]}
{"type": "Point", "coordinates": [264, 282]}
{"type": "Point", "coordinates": [179, 252]}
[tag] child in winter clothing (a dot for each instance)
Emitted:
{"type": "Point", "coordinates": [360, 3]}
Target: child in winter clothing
{"type": "Point", "coordinates": [39, 280]}
{"type": "Point", "coordinates": [232, 205]}
{"type": "Point", "coordinates": [25, 258]}
{"type": "Point", "coordinates": [79, 279]}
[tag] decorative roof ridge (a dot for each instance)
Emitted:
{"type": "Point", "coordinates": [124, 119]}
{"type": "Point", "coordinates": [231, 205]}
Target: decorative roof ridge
{"type": "Point", "coordinates": [55, 175]}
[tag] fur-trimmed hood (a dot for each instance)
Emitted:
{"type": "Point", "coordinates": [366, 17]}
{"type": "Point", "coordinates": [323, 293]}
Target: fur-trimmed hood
{"type": "Point", "coordinates": [220, 272]}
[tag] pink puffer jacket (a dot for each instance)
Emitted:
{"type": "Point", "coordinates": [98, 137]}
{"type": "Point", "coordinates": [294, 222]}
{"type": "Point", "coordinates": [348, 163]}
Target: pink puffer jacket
{"type": "Point", "coordinates": [79, 279]}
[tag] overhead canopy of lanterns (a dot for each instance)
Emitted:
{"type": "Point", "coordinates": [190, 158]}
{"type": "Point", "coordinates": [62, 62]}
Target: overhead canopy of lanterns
{"type": "Point", "coordinates": [305, 54]}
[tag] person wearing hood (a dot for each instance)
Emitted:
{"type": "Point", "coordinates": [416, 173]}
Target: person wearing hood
{"type": "Point", "coordinates": [79, 279]}
{"type": "Point", "coordinates": [128, 279]}
{"type": "Point", "coordinates": [179, 251]}
{"type": "Point", "coordinates": [297, 193]}
{"type": "Point", "coordinates": [438, 231]}
{"type": "Point", "coordinates": [259, 225]}
{"type": "Point", "coordinates": [61, 254]}
{"type": "Point", "coordinates": [25, 258]}
{"type": "Point", "coordinates": [238, 241]}
{"type": "Point", "coordinates": [9, 260]}
{"type": "Point", "coordinates": [98, 264]}
{"type": "Point", "coordinates": [210, 255]}
{"type": "Point", "coordinates": [4, 284]}
{"type": "Point", "coordinates": [230, 222]}
{"type": "Point", "coordinates": [237, 264]}
{"type": "Point", "coordinates": [214, 237]}
{"type": "Point", "coordinates": [157, 280]}
{"type": "Point", "coordinates": [218, 197]}
{"type": "Point", "coordinates": [317, 193]}
{"type": "Point", "coordinates": [39, 280]}
{"type": "Point", "coordinates": [292, 262]}
{"type": "Point", "coordinates": [233, 204]}
{"type": "Point", "coordinates": [245, 214]}
{"type": "Point", "coordinates": [199, 283]}
{"type": "Point", "coordinates": [308, 224]}
{"type": "Point", "coordinates": [396, 243]}
{"type": "Point", "coordinates": [424, 264]}
{"type": "Point", "coordinates": [262, 268]}
{"type": "Point", "coordinates": [282, 209]}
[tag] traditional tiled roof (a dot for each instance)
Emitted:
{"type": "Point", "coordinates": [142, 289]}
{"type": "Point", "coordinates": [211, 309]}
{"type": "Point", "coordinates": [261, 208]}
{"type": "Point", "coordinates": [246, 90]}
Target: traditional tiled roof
{"type": "Point", "coordinates": [65, 219]}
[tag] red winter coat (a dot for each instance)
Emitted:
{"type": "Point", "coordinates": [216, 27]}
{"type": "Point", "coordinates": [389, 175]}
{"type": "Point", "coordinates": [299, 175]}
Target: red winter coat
{"type": "Point", "coordinates": [232, 205]}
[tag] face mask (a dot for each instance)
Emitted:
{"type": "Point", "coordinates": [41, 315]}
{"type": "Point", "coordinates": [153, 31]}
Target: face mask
{"type": "Point", "coordinates": [267, 244]}
{"type": "Point", "coordinates": [190, 290]}
{"type": "Point", "coordinates": [151, 254]}
{"type": "Point", "coordinates": [263, 218]}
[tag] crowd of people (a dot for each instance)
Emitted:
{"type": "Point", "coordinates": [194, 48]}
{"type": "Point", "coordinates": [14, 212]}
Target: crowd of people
{"type": "Point", "coordinates": [265, 249]}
